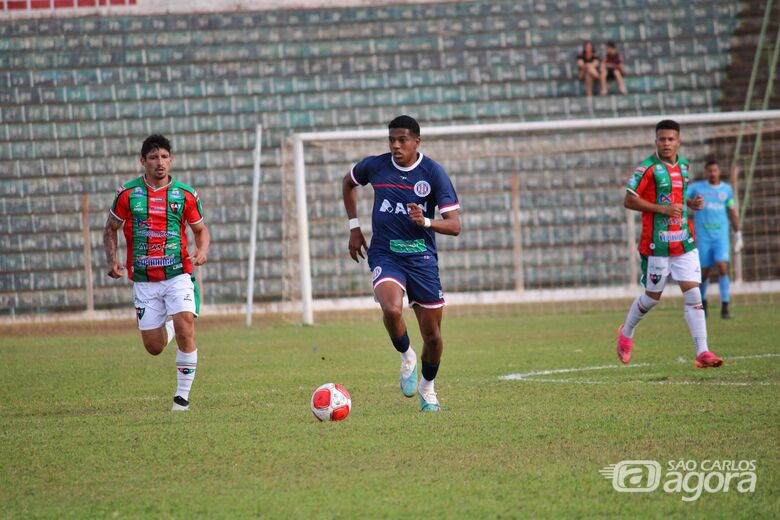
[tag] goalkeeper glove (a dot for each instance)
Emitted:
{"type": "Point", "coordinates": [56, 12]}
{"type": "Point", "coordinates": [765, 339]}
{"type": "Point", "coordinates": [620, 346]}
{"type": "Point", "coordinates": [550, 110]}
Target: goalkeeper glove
{"type": "Point", "coordinates": [738, 241]}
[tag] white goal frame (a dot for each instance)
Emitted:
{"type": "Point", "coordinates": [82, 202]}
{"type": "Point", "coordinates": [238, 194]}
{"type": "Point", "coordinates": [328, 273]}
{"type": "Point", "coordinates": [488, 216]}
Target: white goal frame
{"type": "Point", "coordinates": [300, 139]}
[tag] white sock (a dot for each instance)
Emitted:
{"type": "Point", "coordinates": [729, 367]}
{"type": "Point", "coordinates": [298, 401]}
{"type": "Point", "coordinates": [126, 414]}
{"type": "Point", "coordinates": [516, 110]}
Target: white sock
{"type": "Point", "coordinates": [409, 356]}
{"type": "Point", "coordinates": [170, 331]}
{"type": "Point", "coordinates": [694, 317]}
{"type": "Point", "coordinates": [638, 310]}
{"type": "Point", "coordinates": [186, 364]}
{"type": "Point", "coordinates": [425, 386]}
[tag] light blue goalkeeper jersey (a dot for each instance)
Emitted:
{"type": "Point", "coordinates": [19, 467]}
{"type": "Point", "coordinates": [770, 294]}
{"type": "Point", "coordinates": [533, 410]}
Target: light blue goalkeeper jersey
{"type": "Point", "coordinates": [712, 221]}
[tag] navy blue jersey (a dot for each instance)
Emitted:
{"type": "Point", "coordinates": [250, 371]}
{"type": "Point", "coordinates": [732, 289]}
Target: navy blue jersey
{"type": "Point", "coordinates": [425, 183]}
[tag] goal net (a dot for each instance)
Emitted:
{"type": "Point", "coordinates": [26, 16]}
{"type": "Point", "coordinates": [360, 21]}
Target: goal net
{"type": "Point", "coordinates": [543, 222]}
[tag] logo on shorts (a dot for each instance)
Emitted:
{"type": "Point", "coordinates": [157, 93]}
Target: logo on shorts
{"type": "Point", "coordinates": [187, 298]}
{"type": "Point", "coordinates": [375, 273]}
{"type": "Point", "coordinates": [655, 278]}
{"type": "Point", "coordinates": [139, 312]}
{"type": "Point", "coordinates": [422, 189]}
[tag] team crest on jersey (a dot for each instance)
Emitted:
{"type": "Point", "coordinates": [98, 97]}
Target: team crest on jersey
{"type": "Point", "coordinates": [175, 206]}
{"type": "Point", "coordinates": [376, 272]}
{"type": "Point", "coordinates": [722, 196]}
{"type": "Point", "coordinates": [422, 189]}
{"type": "Point", "coordinates": [139, 313]}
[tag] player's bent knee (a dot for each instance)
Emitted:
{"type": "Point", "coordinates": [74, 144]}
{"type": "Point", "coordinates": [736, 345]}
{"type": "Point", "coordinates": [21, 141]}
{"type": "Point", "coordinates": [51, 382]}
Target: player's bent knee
{"type": "Point", "coordinates": [393, 313]}
{"type": "Point", "coordinates": [154, 349]}
{"type": "Point", "coordinates": [432, 338]}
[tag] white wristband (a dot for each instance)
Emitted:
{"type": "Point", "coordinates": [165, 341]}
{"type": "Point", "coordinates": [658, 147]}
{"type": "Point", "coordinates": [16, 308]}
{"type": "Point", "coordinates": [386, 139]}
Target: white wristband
{"type": "Point", "coordinates": [353, 223]}
{"type": "Point", "coordinates": [427, 222]}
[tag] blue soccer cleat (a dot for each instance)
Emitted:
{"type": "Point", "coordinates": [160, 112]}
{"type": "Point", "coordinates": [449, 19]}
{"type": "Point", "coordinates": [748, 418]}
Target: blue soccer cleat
{"type": "Point", "coordinates": [428, 401]}
{"type": "Point", "coordinates": [408, 378]}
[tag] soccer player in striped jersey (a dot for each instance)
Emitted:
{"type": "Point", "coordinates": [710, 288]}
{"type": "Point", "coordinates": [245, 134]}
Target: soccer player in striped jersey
{"type": "Point", "coordinates": [153, 210]}
{"type": "Point", "coordinates": [657, 188]}
{"type": "Point", "coordinates": [403, 258]}
{"type": "Point", "coordinates": [712, 232]}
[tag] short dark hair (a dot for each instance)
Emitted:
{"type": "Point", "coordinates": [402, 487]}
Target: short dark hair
{"type": "Point", "coordinates": [407, 122]}
{"type": "Point", "coordinates": [155, 142]}
{"type": "Point", "coordinates": [710, 162]}
{"type": "Point", "coordinates": [611, 44]}
{"type": "Point", "coordinates": [668, 124]}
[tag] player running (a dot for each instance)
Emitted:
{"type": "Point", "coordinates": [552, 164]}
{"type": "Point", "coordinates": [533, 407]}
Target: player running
{"type": "Point", "coordinates": [657, 188]}
{"type": "Point", "coordinates": [712, 232]}
{"type": "Point", "coordinates": [402, 257]}
{"type": "Point", "coordinates": [153, 210]}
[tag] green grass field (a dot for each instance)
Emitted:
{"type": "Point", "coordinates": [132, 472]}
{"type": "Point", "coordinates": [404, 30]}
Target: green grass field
{"type": "Point", "coordinates": [86, 431]}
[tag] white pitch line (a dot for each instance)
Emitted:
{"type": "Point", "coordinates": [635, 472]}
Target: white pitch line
{"type": "Point", "coordinates": [755, 356]}
{"type": "Point", "coordinates": [527, 376]}
{"type": "Point", "coordinates": [684, 382]}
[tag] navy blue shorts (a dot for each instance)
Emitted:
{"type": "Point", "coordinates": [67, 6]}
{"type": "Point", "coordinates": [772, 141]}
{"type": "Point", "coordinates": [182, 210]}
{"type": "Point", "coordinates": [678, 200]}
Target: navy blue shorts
{"type": "Point", "coordinates": [417, 275]}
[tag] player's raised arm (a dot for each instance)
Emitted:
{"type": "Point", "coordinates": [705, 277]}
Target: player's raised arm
{"type": "Point", "coordinates": [115, 268]}
{"type": "Point", "coordinates": [449, 224]}
{"type": "Point", "coordinates": [637, 203]}
{"type": "Point", "coordinates": [696, 203]}
{"type": "Point", "coordinates": [357, 241]}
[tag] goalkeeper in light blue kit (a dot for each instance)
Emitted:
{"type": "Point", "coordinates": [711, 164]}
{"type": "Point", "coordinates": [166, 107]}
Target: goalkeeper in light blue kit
{"type": "Point", "coordinates": [712, 231]}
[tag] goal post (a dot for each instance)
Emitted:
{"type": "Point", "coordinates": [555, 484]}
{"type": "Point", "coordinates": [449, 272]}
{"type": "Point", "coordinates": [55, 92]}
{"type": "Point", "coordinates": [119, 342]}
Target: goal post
{"type": "Point", "coordinates": [485, 145]}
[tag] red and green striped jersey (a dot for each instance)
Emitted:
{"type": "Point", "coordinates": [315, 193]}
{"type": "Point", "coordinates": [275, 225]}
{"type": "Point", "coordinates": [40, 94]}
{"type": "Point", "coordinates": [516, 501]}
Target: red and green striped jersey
{"type": "Point", "coordinates": [154, 227]}
{"type": "Point", "coordinates": [662, 183]}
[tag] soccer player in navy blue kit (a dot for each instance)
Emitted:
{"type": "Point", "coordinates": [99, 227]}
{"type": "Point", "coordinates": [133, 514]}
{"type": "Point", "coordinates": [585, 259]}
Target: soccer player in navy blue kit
{"type": "Point", "coordinates": [712, 231]}
{"type": "Point", "coordinates": [407, 188]}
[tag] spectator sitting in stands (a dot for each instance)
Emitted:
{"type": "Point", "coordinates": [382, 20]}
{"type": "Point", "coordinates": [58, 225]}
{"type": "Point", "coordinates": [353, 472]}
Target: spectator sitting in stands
{"type": "Point", "coordinates": [612, 68]}
{"type": "Point", "coordinates": [588, 65]}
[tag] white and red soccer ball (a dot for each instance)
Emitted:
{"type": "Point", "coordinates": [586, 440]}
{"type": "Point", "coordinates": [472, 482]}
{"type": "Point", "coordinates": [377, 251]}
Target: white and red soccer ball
{"type": "Point", "coordinates": [331, 402]}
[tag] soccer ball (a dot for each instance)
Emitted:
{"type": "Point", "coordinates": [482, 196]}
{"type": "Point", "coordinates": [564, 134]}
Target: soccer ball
{"type": "Point", "coordinates": [331, 402]}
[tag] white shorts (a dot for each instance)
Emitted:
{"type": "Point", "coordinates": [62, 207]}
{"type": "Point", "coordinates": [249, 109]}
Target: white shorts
{"type": "Point", "coordinates": [683, 268]}
{"type": "Point", "coordinates": [155, 301]}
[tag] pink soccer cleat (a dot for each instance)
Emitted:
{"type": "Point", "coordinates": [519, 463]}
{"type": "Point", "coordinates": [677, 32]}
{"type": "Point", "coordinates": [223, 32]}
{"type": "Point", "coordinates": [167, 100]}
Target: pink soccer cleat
{"type": "Point", "coordinates": [624, 345]}
{"type": "Point", "coordinates": [708, 359]}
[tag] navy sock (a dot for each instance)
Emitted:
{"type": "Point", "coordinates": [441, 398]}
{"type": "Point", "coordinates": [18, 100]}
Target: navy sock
{"type": "Point", "coordinates": [401, 344]}
{"type": "Point", "coordinates": [429, 370]}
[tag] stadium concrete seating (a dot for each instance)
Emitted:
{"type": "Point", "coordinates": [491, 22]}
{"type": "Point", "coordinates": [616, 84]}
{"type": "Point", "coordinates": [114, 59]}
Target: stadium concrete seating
{"type": "Point", "coordinates": [78, 95]}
